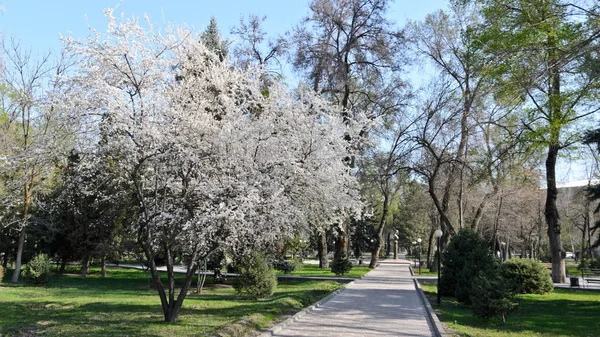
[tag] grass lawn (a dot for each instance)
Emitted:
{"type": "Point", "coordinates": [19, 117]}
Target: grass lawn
{"type": "Point", "coordinates": [559, 314]}
{"type": "Point", "coordinates": [424, 272]}
{"type": "Point", "coordinates": [121, 304]}
{"type": "Point", "coordinates": [314, 270]}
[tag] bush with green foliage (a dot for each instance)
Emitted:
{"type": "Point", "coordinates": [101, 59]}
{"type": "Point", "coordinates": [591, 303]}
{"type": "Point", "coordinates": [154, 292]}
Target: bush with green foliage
{"type": "Point", "coordinates": [491, 295]}
{"type": "Point", "coordinates": [257, 278]}
{"type": "Point", "coordinates": [341, 265]}
{"type": "Point", "coordinates": [590, 263]}
{"type": "Point", "coordinates": [526, 276]}
{"type": "Point", "coordinates": [465, 257]}
{"type": "Point", "coordinates": [39, 269]}
{"type": "Point", "coordinates": [284, 266]}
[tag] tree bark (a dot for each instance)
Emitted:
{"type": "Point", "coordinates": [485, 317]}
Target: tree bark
{"type": "Point", "coordinates": [379, 237]}
{"type": "Point", "coordinates": [63, 265]}
{"type": "Point", "coordinates": [322, 247]}
{"type": "Point", "coordinates": [103, 266]}
{"type": "Point", "coordinates": [430, 246]}
{"type": "Point", "coordinates": [171, 306]}
{"type": "Point", "coordinates": [17, 272]}
{"type": "Point", "coordinates": [84, 266]}
{"type": "Point", "coordinates": [553, 219]}
{"type": "Point", "coordinates": [21, 243]}
{"type": "Point", "coordinates": [5, 260]}
{"type": "Point", "coordinates": [389, 244]}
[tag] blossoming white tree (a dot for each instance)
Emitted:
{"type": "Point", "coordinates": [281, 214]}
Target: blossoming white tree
{"type": "Point", "coordinates": [213, 158]}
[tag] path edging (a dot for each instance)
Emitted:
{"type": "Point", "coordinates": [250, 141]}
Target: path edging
{"type": "Point", "coordinates": [438, 329]}
{"type": "Point", "coordinates": [282, 325]}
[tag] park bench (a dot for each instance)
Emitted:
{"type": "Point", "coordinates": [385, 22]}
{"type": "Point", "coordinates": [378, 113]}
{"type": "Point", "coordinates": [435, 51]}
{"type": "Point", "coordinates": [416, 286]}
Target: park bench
{"type": "Point", "coordinates": [590, 275]}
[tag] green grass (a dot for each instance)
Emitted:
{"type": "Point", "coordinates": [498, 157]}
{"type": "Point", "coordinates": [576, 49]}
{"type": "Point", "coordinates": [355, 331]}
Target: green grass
{"type": "Point", "coordinates": [314, 270]}
{"type": "Point", "coordinates": [121, 304]}
{"type": "Point", "coordinates": [563, 313]}
{"type": "Point", "coordinates": [424, 272]}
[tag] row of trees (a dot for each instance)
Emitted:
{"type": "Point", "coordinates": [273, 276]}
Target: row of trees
{"type": "Point", "coordinates": [185, 145]}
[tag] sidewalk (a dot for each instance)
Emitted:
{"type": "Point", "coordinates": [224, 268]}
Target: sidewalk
{"type": "Point", "coordinates": [383, 303]}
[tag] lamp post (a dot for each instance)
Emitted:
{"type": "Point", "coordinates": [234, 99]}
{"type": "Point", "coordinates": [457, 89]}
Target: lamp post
{"type": "Point", "coordinates": [419, 241]}
{"type": "Point", "coordinates": [438, 235]}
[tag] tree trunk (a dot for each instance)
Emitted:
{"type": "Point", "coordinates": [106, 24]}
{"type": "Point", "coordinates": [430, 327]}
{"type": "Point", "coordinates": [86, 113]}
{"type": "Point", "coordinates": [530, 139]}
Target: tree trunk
{"type": "Point", "coordinates": [322, 247]}
{"type": "Point", "coordinates": [103, 266]}
{"type": "Point", "coordinates": [17, 272]}
{"type": "Point", "coordinates": [171, 306]}
{"type": "Point", "coordinates": [341, 241]}
{"type": "Point", "coordinates": [375, 252]}
{"type": "Point", "coordinates": [84, 266]}
{"type": "Point", "coordinates": [430, 246]}
{"type": "Point", "coordinates": [63, 265]}
{"type": "Point", "coordinates": [5, 260]}
{"type": "Point", "coordinates": [553, 219]}
{"type": "Point", "coordinates": [21, 244]}
{"type": "Point", "coordinates": [434, 264]}
{"type": "Point", "coordinates": [388, 242]}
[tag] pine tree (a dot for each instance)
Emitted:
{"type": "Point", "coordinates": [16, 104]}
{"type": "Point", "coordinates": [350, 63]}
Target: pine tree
{"type": "Point", "coordinates": [212, 39]}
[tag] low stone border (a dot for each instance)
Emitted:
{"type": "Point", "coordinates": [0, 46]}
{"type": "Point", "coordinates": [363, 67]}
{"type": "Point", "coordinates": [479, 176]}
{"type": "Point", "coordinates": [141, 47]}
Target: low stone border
{"type": "Point", "coordinates": [282, 325]}
{"type": "Point", "coordinates": [438, 329]}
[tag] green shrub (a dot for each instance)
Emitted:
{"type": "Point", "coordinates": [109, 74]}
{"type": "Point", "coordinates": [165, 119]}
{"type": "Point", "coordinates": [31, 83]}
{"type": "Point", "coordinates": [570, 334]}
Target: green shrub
{"type": "Point", "coordinates": [341, 265]}
{"type": "Point", "coordinates": [257, 278]}
{"type": "Point", "coordinates": [491, 296]}
{"type": "Point", "coordinates": [39, 269]}
{"type": "Point", "coordinates": [590, 263]}
{"type": "Point", "coordinates": [526, 276]}
{"type": "Point", "coordinates": [467, 254]}
{"type": "Point", "coordinates": [298, 265]}
{"type": "Point", "coordinates": [284, 266]}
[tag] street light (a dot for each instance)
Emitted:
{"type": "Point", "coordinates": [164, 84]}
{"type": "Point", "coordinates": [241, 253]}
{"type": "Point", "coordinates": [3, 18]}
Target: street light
{"type": "Point", "coordinates": [419, 241]}
{"type": "Point", "coordinates": [438, 235]}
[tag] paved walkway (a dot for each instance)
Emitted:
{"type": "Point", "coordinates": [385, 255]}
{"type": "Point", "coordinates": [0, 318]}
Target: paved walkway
{"type": "Point", "coordinates": [383, 303]}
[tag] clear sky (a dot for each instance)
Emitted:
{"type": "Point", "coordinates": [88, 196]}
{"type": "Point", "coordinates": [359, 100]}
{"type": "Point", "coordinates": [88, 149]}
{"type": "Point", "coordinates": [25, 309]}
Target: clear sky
{"type": "Point", "coordinates": [38, 23]}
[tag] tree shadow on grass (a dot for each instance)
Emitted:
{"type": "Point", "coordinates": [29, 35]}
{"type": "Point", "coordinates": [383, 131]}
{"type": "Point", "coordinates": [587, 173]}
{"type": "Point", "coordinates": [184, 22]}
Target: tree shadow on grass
{"type": "Point", "coordinates": [61, 318]}
{"type": "Point", "coordinates": [72, 306]}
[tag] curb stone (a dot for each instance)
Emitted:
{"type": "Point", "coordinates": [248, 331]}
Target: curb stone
{"type": "Point", "coordinates": [438, 329]}
{"type": "Point", "coordinates": [282, 325]}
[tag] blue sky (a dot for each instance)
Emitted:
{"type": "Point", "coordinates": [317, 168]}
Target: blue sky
{"type": "Point", "coordinates": [37, 24]}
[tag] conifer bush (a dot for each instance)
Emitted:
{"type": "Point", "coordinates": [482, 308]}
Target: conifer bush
{"type": "Point", "coordinates": [491, 295]}
{"type": "Point", "coordinates": [341, 265]}
{"type": "Point", "coordinates": [465, 257]}
{"type": "Point", "coordinates": [39, 269]}
{"type": "Point", "coordinates": [257, 278]}
{"type": "Point", "coordinates": [284, 266]}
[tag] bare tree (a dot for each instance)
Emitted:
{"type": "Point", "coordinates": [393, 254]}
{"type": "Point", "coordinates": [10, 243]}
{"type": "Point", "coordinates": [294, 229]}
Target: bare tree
{"type": "Point", "coordinates": [348, 51]}
{"type": "Point", "coordinates": [29, 85]}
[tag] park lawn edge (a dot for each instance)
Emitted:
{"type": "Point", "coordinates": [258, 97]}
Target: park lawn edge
{"type": "Point", "coordinates": [240, 316]}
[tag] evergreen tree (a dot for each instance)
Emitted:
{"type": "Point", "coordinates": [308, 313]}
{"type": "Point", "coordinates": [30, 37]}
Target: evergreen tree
{"type": "Point", "coordinates": [212, 39]}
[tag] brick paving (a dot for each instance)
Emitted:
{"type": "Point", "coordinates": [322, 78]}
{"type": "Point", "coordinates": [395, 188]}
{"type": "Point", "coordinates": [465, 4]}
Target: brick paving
{"type": "Point", "coordinates": [383, 303]}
